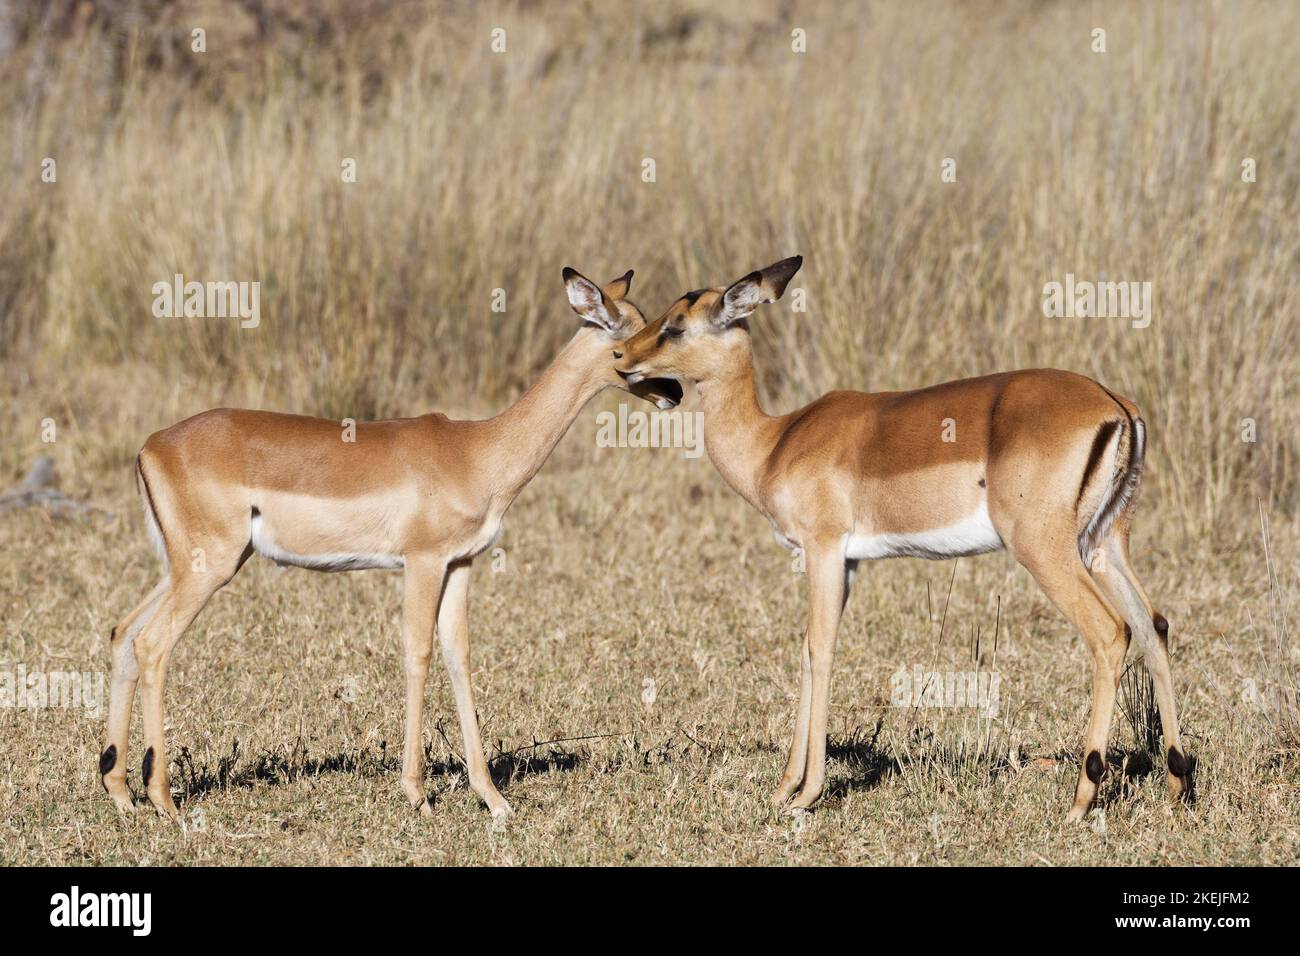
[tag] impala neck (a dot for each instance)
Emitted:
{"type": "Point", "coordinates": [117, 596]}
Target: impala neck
{"type": "Point", "coordinates": [738, 434]}
{"type": "Point", "coordinates": [520, 439]}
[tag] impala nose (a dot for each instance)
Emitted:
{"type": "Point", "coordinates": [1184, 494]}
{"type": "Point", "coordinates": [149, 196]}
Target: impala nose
{"type": "Point", "coordinates": [617, 354]}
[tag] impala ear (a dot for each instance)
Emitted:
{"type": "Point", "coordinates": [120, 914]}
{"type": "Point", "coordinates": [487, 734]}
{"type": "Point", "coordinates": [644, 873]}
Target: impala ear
{"type": "Point", "coordinates": [758, 288]}
{"type": "Point", "coordinates": [616, 289]}
{"type": "Point", "coordinates": [591, 302]}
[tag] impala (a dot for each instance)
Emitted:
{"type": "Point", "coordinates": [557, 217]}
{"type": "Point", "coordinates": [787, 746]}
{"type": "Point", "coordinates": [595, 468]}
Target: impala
{"type": "Point", "coordinates": [425, 495]}
{"type": "Point", "coordinates": [1043, 463]}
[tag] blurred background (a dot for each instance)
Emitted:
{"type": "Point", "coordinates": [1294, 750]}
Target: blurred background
{"type": "Point", "coordinates": [479, 170]}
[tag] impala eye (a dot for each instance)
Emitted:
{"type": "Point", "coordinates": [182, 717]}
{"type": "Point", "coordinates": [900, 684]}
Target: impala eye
{"type": "Point", "coordinates": [673, 331]}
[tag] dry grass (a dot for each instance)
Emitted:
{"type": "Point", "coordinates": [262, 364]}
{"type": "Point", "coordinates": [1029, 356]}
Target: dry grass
{"type": "Point", "coordinates": [479, 171]}
{"type": "Point", "coordinates": [563, 640]}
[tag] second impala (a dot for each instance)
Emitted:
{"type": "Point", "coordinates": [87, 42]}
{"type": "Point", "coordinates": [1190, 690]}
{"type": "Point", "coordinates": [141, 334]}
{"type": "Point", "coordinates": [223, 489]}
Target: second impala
{"type": "Point", "coordinates": [1043, 463]}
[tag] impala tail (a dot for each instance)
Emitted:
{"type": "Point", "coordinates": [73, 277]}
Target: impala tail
{"type": "Point", "coordinates": [151, 524]}
{"type": "Point", "coordinates": [1127, 438]}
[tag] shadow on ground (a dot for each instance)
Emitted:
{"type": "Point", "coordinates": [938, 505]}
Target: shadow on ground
{"type": "Point", "coordinates": [289, 762]}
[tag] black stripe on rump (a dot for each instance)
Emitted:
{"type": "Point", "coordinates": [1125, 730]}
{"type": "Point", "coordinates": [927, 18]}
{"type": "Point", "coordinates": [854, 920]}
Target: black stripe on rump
{"type": "Point", "coordinates": [1104, 434]}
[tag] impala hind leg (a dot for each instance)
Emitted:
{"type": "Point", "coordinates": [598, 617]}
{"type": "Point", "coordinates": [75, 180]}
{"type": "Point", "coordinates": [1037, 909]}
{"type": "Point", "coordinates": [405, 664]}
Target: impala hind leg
{"type": "Point", "coordinates": [121, 695]}
{"type": "Point", "coordinates": [1066, 582]}
{"type": "Point", "coordinates": [180, 604]}
{"type": "Point", "coordinates": [422, 582]}
{"type": "Point", "coordinates": [453, 635]}
{"type": "Point", "coordinates": [1121, 586]}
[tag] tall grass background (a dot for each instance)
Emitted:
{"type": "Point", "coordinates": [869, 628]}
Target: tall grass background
{"type": "Point", "coordinates": [479, 170]}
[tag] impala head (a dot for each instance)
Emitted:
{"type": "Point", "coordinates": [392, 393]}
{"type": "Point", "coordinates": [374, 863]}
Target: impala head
{"type": "Point", "coordinates": [609, 315]}
{"type": "Point", "coordinates": [703, 330]}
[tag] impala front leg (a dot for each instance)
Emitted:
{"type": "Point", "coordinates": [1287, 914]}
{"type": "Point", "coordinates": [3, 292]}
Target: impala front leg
{"type": "Point", "coordinates": [798, 759]}
{"type": "Point", "coordinates": [826, 589]}
{"type": "Point", "coordinates": [422, 581]}
{"type": "Point", "coordinates": [453, 634]}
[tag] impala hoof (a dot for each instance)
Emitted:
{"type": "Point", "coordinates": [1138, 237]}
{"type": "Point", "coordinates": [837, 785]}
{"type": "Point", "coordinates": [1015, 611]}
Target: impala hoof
{"type": "Point", "coordinates": [166, 808]}
{"type": "Point", "coordinates": [781, 795]}
{"type": "Point", "coordinates": [121, 797]}
{"type": "Point", "coordinates": [115, 784]}
{"type": "Point", "coordinates": [805, 799]}
{"type": "Point", "coordinates": [415, 796]}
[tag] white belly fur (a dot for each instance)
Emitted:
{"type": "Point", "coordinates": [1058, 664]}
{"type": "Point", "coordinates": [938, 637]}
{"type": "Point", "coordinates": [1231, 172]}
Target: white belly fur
{"type": "Point", "coordinates": [264, 546]}
{"type": "Point", "coordinates": [972, 535]}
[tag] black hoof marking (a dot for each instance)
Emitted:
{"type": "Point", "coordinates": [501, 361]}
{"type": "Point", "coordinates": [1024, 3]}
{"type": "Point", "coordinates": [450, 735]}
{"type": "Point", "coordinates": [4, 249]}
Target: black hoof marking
{"type": "Point", "coordinates": [146, 768]}
{"type": "Point", "coordinates": [108, 759]}
{"type": "Point", "coordinates": [1179, 765]}
{"type": "Point", "coordinates": [1094, 766]}
{"type": "Point", "coordinates": [112, 635]}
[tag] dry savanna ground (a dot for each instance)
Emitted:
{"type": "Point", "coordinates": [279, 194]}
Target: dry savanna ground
{"type": "Point", "coordinates": [635, 644]}
{"type": "Point", "coordinates": [622, 565]}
